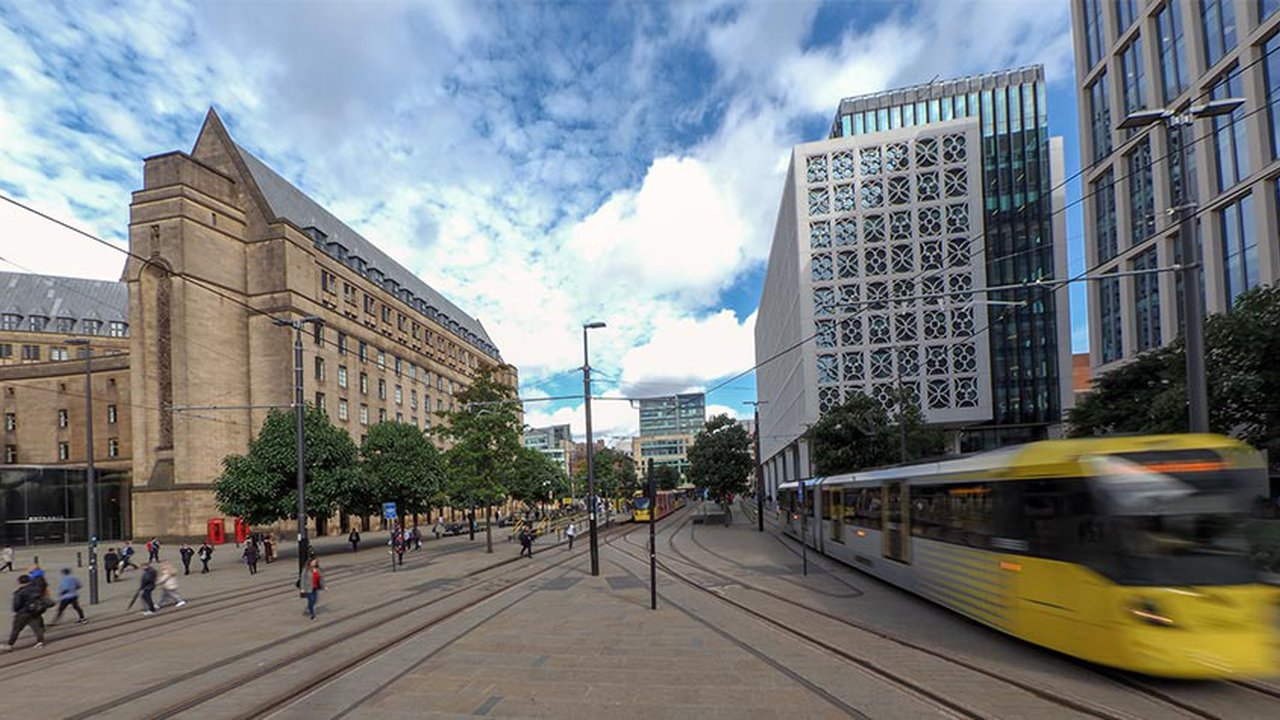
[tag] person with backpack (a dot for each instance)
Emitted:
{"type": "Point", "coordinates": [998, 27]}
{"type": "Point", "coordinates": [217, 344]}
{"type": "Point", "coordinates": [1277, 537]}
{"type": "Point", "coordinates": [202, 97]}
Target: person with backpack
{"type": "Point", "coordinates": [29, 604]}
{"type": "Point", "coordinates": [526, 542]}
{"type": "Point", "coordinates": [205, 554]}
{"type": "Point", "coordinates": [354, 539]}
{"type": "Point", "coordinates": [147, 585]}
{"type": "Point", "coordinates": [186, 553]}
{"type": "Point", "coordinates": [111, 563]}
{"type": "Point", "coordinates": [68, 596]}
{"type": "Point", "coordinates": [310, 583]}
{"type": "Point", "coordinates": [126, 557]}
{"type": "Point", "coordinates": [153, 550]}
{"type": "Point", "coordinates": [251, 557]}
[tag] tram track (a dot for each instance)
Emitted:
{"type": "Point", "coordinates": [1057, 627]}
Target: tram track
{"type": "Point", "coordinates": [1057, 698]}
{"type": "Point", "coordinates": [391, 613]}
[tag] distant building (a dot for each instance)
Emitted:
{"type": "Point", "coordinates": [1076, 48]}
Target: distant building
{"type": "Point", "coordinates": [1081, 375]}
{"type": "Point", "coordinates": [667, 427]}
{"type": "Point", "coordinates": [556, 442]}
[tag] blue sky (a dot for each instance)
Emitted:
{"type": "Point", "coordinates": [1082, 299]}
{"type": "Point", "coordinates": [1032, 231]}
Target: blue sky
{"type": "Point", "coordinates": [542, 164]}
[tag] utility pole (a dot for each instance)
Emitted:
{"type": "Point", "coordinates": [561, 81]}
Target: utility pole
{"type": "Point", "coordinates": [299, 410]}
{"type": "Point", "coordinates": [759, 467]}
{"type": "Point", "coordinates": [90, 483]}
{"type": "Point", "coordinates": [591, 451]}
{"type": "Point", "coordinates": [653, 551]}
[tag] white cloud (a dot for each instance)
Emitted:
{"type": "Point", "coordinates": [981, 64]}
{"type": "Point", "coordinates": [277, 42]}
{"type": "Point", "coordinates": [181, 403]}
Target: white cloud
{"type": "Point", "coordinates": [738, 413]}
{"type": "Point", "coordinates": [684, 351]}
{"type": "Point", "coordinates": [609, 418]}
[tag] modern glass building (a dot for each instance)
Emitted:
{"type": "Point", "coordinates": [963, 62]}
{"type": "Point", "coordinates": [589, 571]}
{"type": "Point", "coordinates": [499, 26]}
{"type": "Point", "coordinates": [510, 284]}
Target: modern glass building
{"type": "Point", "coordinates": [1172, 54]}
{"type": "Point", "coordinates": [47, 505]}
{"type": "Point", "coordinates": [1022, 206]}
{"type": "Point", "coordinates": [673, 414]}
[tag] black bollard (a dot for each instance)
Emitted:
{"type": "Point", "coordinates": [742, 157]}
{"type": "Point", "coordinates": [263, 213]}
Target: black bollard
{"type": "Point", "coordinates": [79, 559]}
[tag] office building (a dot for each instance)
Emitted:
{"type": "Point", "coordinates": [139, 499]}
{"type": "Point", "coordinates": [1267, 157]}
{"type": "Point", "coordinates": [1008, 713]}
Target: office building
{"type": "Point", "coordinates": [555, 441]}
{"type": "Point", "coordinates": [908, 246]}
{"type": "Point", "coordinates": [1175, 54]}
{"type": "Point", "coordinates": [667, 427]}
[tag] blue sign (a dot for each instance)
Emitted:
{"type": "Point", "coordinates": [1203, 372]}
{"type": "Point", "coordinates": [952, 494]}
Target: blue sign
{"type": "Point", "coordinates": [389, 510]}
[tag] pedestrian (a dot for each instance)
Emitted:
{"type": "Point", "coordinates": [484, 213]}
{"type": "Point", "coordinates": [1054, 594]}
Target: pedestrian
{"type": "Point", "coordinates": [168, 582]}
{"type": "Point", "coordinates": [570, 532]}
{"type": "Point", "coordinates": [397, 545]}
{"type": "Point", "coordinates": [417, 538]}
{"type": "Point", "coordinates": [6, 558]}
{"type": "Point", "coordinates": [309, 586]}
{"type": "Point", "coordinates": [111, 563]}
{"type": "Point", "coordinates": [354, 539]}
{"type": "Point", "coordinates": [526, 542]}
{"type": "Point", "coordinates": [186, 553]}
{"type": "Point", "coordinates": [29, 605]}
{"type": "Point", "coordinates": [126, 557]}
{"type": "Point", "coordinates": [68, 595]}
{"type": "Point", "coordinates": [146, 585]}
{"type": "Point", "coordinates": [251, 557]}
{"type": "Point", "coordinates": [437, 528]}
{"type": "Point", "coordinates": [38, 579]}
{"type": "Point", "coordinates": [269, 547]}
{"type": "Point", "coordinates": [153, 550]}
{"type": "Point", "coordinates": [205, 554]}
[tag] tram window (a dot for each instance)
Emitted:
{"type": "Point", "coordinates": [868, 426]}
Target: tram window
{"type": "Point", "coordinates": [957, 514]}
{"type": "Point", "coordinates": [862, 506]}
{"type": "Point", "coordinates": [827, 498]}
{"type": "Point", "coordinates": [1061, 521]}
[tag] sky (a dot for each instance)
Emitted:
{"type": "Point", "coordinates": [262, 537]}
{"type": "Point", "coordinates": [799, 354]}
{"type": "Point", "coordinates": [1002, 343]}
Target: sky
{"type": "Point", "coordinates": [542, 164]}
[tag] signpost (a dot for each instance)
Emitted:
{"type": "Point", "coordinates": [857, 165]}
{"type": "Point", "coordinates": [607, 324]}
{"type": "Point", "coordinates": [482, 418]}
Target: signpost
{"type": "Point", "coordinates": [653, 522]}
{"type": "Point", "coordinates": [389, 513]}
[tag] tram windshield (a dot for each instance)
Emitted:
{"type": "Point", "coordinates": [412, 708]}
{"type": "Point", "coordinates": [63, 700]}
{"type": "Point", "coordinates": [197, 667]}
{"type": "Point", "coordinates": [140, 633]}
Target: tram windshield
{"type": "Point", "coordinates": [1171, 532]}
{"type": "Point", "coordinates": [640, 503]}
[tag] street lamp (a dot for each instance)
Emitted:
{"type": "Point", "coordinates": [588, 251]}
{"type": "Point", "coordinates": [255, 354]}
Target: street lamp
{"type": "Point", "coordinates": [759, 468]}
{"type": "Point", "coordinates": [591, 454]}
{"type": "Point", "coordinates": [298, 409]}
{"type": "Point", "coordinates": [91, 485]}
{"type": "Point", "coordinates": [1197, 383]}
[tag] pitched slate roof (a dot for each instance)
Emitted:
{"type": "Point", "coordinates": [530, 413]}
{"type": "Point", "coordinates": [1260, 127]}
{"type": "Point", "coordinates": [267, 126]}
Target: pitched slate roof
{"type": "Point", "coordinates": [54, 296]}
{"type": "Point", "coordinates": [290, 203]}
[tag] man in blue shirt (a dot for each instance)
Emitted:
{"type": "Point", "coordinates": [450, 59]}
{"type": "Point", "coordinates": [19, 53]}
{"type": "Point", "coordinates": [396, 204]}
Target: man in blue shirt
{"type": "Point", "coordinates": [68, 595]}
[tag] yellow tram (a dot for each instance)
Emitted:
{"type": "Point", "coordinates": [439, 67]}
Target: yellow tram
{"type": "Point", "coordinates": [1123, 551]}
{"type": "Point", "coordinates": [668, 501]}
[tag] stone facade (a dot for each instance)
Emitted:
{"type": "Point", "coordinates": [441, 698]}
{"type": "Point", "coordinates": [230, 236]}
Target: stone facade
{"type": "Point", "coordinates": [229, 246]}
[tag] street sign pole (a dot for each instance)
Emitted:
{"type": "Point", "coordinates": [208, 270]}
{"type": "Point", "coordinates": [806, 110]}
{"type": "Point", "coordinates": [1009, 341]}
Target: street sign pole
{"type": "Point", "coordinates": [389, 513]}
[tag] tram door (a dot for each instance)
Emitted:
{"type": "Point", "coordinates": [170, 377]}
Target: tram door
{"type": "Point", "coordinates": [896, 511]}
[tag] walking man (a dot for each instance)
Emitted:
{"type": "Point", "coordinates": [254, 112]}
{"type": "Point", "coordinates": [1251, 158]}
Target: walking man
{"type": "Point", "coordinates": [205, 554]}
{"type": "Point", "coordinates": [526, 542]}
{"type": "Point", "coordinates": [437, 527]}
{"type": "Point", "coordinates": [169, 586]}
{"type": "Point", "coordinates": [153, 550]}
{"type": "Point", "coordinates": [309, 585]}
{"type": "Point", "coordinates": [417, 538]}
{"type": "Point", "coordinates": [570, 532]}
{"type": "Point", "coordinates": [126, 557]}
{"type": "Point", "coordinates": [251, 557]}
{"type": "Point", "coordinates": [354, 539]}
{"type": "Point", "coordinates": [111, 563]}
{"type": "Point", "coordinates": [147, 585]}
{"type": "Point", "coordinates": [6, 559]}
{"type": "Point", "coordinates": [269, 547]}
{"type": "Point", "coordinates": [186, 553]}
{"type": "Point", "coordinates": [68, 595]}
{"type": "Point", "coordinates": [29, 605]}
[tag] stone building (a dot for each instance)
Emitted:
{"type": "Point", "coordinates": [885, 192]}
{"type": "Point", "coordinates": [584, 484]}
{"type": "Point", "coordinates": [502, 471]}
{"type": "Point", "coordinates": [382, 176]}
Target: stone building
{"type": "Point", "coordinates": [221, 248]}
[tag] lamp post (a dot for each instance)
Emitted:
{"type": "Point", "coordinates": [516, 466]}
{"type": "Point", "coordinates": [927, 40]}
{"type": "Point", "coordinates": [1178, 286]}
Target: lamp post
{"type": "Point", "coordinates": [1197, 382]}
{"type": "Point", "coordinates": [298, 410]}
{"type": "Point", "coordinates": [759, 468]}
{"type": "Point", "coordinates": [591, 454]}
{"type": "Point", "coordinates": [90, 484]}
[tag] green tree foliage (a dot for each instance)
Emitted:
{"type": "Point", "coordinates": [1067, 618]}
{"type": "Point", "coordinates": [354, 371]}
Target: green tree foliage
{"type": "Point", "coordinates": [536, 478]}
{"type": "Point", "coordinates": [485, 436]}
{"type": "Point", "coordinates": [720, 458]}
{"type": "Point", "coordinates": [615, 474]}
{"type": "Point", "coordinates": [1149, 393]}
{"type": "Point", "coordinates": [401, 465]}
{"type": "Point", "coordinates": [261, 486]}
{"type": "Point", "coordinates": [861, 434]}
{"type": "Point", "coordinates": [666, 476]}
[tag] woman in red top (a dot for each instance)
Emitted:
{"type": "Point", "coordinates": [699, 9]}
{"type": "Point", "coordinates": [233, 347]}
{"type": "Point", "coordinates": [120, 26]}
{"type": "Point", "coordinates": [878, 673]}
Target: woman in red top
{"type": "Point", "coordinates": [310, 584]}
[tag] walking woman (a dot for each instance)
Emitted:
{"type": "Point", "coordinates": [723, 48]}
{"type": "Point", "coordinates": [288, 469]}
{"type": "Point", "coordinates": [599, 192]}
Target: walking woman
{"type": "Point", "coordinates": [310, 585]}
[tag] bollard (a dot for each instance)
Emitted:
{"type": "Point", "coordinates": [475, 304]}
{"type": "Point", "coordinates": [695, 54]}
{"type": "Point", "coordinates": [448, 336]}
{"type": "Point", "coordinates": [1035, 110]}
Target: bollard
{"type": "Point", "coordinates": [35, 559]}
{"type": "Point", "coordinates": [79, 560]}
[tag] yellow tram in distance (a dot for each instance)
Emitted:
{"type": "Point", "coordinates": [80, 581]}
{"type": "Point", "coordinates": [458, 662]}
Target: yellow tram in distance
{"type": "Point", "coordinates": [668, 501]}
{"type": "Point", "coordinates": [1123, 551]}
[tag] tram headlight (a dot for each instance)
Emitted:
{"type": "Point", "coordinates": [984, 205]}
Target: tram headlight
{"type": "Point", "coordinates": [1147, 611]}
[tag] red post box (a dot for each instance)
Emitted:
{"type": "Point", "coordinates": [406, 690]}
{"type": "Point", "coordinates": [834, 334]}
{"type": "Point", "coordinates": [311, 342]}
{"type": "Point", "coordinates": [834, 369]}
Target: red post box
{"type": "Point", "coordinates": [217, 532]}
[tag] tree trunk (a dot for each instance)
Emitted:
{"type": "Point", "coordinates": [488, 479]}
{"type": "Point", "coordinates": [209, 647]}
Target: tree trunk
{"type": "Point", "coordinates": [488, 528]}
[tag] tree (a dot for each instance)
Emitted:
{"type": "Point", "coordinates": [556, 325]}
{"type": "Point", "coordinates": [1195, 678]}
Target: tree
{"type": "Point", "coordinates": [860, 434]}
{"type": "Point", "coordinates": [615, 473]}
{"type": "Point", "coordinates": [720, 458]}
{"type": "Point", "coordinates": [485, 432]}
{"type": "Point", "coordinates": [667, 477]}
{"type": "Point", "coordinates": [536, 478]}
{"type": "Point", "coordinates": [261, 486]}
{"type": "Point", "coordinates": [401, 465]}
{"type": "Point", "coordinates": [1149, 393]}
